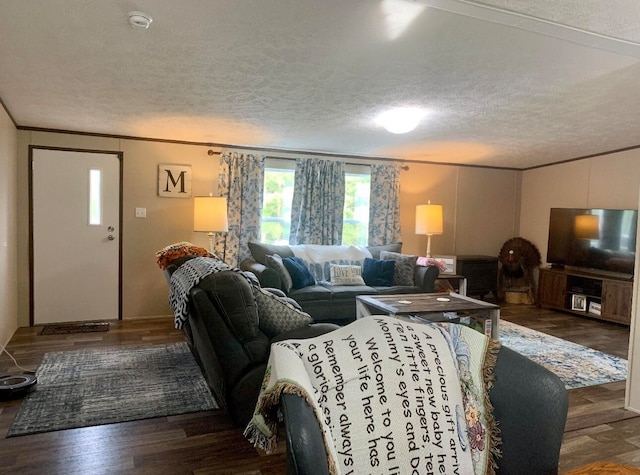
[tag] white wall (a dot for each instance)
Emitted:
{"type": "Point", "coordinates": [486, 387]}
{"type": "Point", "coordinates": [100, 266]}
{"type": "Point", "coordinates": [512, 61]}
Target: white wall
{"type": "Point", "coordinates": [168, 220]}
{"type": "Point", "coordinates": [609, 181]}
{"type": "Point", "coordinates": [8, 228]}
{"type": "Point", "coordinates": [480, 210]}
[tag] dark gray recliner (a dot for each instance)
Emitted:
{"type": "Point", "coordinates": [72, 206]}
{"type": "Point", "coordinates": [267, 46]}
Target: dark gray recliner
{"type": "Point", "coordinates": [228, 344]}
{"type": "Point", "coordinates": [530, 405]}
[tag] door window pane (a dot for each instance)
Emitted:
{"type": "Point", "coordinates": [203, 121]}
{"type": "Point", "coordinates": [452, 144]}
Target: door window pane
{"type": "Point", "coordinates": [95, 197]}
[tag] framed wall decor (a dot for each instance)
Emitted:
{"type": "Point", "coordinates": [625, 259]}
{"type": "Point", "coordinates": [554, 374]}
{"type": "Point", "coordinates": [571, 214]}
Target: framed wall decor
{"type": "Point", "coordinates": [450, 262]}
{"type": "Point", "coordinates": [174, 181]}
{"type": "Point", "coordinates": [579, 302]}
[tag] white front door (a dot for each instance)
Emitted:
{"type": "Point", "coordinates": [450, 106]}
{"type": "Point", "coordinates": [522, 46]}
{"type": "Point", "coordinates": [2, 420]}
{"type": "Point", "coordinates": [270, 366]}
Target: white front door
{"type": "Point", "coordinates": [76, 235]}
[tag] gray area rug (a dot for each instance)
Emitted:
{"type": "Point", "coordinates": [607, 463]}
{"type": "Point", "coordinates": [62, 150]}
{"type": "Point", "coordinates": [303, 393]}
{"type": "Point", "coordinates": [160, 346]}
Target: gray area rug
{"type": "Point", "coordinates": [107, 385]}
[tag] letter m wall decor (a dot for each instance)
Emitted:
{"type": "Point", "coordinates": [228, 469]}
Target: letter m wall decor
{"type": "Point", "coordinates": [174, 181]}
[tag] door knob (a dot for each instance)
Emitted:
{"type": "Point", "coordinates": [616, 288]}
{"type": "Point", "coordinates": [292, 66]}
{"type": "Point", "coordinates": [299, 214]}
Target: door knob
{"type": "Point", "coordinates": [110, 237]}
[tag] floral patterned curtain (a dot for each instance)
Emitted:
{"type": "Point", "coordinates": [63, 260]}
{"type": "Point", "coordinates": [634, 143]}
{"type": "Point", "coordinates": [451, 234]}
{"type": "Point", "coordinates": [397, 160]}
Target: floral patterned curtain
{"type": "Point", "coordinates": [384, 205]}
{"type": "Point", "coordinates": [241, 182]}
{"type": "Point", "coordinates": [318, 202]}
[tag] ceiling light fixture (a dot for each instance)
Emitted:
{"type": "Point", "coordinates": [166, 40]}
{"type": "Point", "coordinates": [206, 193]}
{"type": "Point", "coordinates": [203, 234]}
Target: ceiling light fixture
{"type": "Point", "coordinates": [139, 20]}
{"type": "Point", "coordinates": [401, 119]}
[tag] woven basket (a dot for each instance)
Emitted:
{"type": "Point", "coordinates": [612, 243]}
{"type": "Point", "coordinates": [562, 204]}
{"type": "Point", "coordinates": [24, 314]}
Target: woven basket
{"type": "Point", "coordinates": [518, 296]}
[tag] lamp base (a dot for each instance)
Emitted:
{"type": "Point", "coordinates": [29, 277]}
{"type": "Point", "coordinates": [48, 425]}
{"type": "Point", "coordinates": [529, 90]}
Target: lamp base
{"type": "Point", "coordinates": [428, 245]}
{"type": "Point", "coordinates": [211, 245]}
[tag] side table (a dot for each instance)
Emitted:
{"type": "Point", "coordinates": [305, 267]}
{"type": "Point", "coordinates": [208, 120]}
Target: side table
{"type": "Point", "coordinates": [460, 281]}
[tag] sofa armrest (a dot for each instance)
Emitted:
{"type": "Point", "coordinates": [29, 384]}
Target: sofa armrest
{"type": "Point", "coordinates": [530, 405]}
{"type": "Point", "coordinates": [267, 276]}
{"type": "Point", "coordinates": [425, 278]}
{"type": "Point", "coordinates": [306, 454]}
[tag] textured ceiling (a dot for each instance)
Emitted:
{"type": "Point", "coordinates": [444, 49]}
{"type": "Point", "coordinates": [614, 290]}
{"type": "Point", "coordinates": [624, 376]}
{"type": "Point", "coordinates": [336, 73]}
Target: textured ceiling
{"type": "Point", "coordinates": [507, 83]}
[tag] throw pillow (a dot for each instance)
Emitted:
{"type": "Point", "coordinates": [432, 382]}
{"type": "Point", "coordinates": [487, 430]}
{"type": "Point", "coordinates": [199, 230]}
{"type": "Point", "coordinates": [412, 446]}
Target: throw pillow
{"type": "Point", "coordinates": [346, 275]}
{"type": "Point", "coordinates": [275, 262]}
{"type": "Point", "coordinates": [378, 273]}
{"type": "Point", "coordinates": [276, 315]}
{"type": "Point", "coordinates": [299, 272]}
{"type": "Point", "coordinates": [404, 269]}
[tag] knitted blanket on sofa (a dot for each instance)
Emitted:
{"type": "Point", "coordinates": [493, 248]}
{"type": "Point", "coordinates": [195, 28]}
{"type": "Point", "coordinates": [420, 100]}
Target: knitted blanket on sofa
{"type": "Point", "coordinates": [188, 275]}
{"type": "Point", "coordinates": [390, 396]}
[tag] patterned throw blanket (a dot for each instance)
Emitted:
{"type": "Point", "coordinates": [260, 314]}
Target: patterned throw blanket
{"type": "Point", "coordinates": [190, 274]}
{"type": "Point", "coordinates": [319, 257]}
{"type": "Point", "coordinates": [390, 396]}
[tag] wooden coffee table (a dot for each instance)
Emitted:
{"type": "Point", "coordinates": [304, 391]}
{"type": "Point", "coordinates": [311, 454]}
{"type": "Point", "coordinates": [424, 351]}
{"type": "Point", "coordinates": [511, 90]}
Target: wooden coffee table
{"type": "Point", "coordinates": [429, 307]}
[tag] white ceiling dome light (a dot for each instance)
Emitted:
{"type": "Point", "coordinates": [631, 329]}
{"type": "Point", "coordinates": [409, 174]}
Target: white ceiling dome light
{"type": "Point", "coordinates": [139, 20]}
{"type": "Point", "coordinates": [400, 120]}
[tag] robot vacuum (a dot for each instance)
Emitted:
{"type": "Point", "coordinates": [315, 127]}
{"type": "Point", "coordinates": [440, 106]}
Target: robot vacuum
{"type": "Point", "coordinates": [16, 385]}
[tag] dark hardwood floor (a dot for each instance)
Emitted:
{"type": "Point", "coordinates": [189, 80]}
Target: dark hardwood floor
{"type": "Point", "coordinates": [598, 427]}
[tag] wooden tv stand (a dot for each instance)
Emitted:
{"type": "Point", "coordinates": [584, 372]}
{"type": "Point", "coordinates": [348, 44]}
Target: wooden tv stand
{"type": "Point", "coordinates": [581, 293]}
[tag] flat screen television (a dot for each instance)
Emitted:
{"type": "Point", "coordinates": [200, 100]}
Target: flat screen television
{"type": "Point", "coordinates": [601, 240]}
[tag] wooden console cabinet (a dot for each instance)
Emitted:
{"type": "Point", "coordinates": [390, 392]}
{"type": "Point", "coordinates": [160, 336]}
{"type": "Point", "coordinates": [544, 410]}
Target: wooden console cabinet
{"type": "Point", "coordinates": [481, 273]}
{"type": "Point", "coordinates": [569, 290]}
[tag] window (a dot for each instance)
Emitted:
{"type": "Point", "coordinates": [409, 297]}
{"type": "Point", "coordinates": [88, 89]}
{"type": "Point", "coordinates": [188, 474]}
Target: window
{"type": "Point", "coordinates": [355, 224]}
{"type": "Point", "coordinates": [276, 205]}
{"type": "Point", "coordinates": [279, 176]}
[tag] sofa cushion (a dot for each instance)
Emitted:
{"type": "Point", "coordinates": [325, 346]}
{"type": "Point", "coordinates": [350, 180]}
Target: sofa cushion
{"type": "Point", "coordinates": [376, 250]}
{"type": "Point", "coordinates": [404, 268]}
{"type": "Point", "coordinates": [260, 251]}
{"type": "Point", "coordinates": [378, 272]}
{"type": "Point", "coordinates": [346, 275]}
{"type": "Point", "coordinates": [349, 292]}
{"type": "Point", "coordinates": [274, 262]}
{"type": "Point", "coordinates": [230, 294]}
{"type": "Point", "coordinates": [276, 315]}
{"type": "Point", "coordinates": [312, 292]}
{"type": "Point", "coordinates": [299, 272]}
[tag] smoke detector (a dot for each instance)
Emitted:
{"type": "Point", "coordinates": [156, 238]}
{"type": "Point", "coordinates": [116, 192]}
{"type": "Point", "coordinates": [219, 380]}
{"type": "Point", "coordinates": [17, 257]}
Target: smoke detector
{"type": "Point", "coordinates": [139, 20]}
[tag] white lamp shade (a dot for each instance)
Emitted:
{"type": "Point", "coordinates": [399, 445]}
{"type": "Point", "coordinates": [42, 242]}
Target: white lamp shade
{"type": "Point", "coordinates": [429, 219]}
{"type": "Point", "coordinates": [210, 214]}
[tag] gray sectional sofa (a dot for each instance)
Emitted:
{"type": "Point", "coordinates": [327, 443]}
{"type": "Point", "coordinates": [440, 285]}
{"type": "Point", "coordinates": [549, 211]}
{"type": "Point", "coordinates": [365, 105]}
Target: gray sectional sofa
{"type": "Point", "coordinates": [324, 301]}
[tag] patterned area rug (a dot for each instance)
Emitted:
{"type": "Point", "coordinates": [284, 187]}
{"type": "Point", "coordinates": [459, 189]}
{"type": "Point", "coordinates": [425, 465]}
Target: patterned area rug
{"type": "Point", "coordinates": [576, 365]}
{"type": "Point", "coordinates": [107, 385]}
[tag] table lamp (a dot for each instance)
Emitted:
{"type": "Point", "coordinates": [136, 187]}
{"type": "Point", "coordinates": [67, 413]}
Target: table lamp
{"type": "Point", "coordinates": [429, 222]}
{"type": "Point", "coordinates": [210, 216]}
